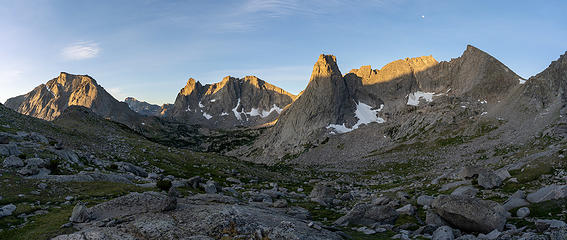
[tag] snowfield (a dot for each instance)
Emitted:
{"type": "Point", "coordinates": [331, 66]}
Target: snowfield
{"type": "Point", "coordinates": [365, 115]}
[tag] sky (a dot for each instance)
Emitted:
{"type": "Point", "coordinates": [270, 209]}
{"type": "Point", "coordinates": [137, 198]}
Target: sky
{"type": "Point", "coordinates": [148, 49]}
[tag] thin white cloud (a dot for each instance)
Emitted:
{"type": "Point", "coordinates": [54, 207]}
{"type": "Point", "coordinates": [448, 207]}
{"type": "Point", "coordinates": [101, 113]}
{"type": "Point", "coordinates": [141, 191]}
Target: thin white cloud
{"type": "Point", "coordinates": [273, 8]}
{"type": "Point", "coordinates": [117, 93]}
{"type": "Point", "coordinates": [81, 50]}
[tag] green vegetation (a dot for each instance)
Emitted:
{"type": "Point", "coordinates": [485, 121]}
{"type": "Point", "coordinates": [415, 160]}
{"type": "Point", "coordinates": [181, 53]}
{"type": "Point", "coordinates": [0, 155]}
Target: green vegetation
{"type": "Point", "coordinates": [42, 226]}
{"type": "Point", "coordinates": [552, 209]}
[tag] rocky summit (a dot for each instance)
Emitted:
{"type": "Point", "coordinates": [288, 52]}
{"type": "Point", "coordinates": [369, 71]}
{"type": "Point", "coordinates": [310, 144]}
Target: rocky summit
{"type": "Point", "coordinates": [47, 101]}
{"type": "Point", "coordinates": [418, 149]}
{"type": "Point", "coordinates": [233, 102]}
{"type": "Point", "coordinates": [147, 109]}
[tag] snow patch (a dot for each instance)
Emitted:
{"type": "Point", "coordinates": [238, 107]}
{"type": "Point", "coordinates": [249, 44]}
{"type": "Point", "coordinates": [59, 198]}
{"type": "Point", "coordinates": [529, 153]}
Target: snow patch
{"type": "Point", "coordinates": [201, 105]}
{"type": "Point", "coordinates": [188, 109]}
{"type": "Point", "coordinates": [265, 113]}
{"type": "Point", "coordinates": [213, 100]}
{"type": "Point", "coordinates": [236, 112]}
{"type": "Point", "coordinates": [339, 128]}
{"type": "Point", "coordinates": [483, 113]}
{"type": "Point", "coordinates": [365, 115]}
{"type": "Point", "coordinates": [207, 116]}
{"type": "Point", "coordinates": [522, 81]}
{"type": "Point", "coordinates": [413, 98]}
{"type": "Point", "coordinates": [255, 111]}
{"type": "Point", "coordinates": [224, 114]}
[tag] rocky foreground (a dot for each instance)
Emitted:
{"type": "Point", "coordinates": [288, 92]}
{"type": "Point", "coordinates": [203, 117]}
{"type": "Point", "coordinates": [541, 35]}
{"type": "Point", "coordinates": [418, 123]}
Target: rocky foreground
{"type": "Point", "coordinates": [467, 203]}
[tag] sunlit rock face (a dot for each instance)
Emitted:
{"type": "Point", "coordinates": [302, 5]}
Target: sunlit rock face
{"type": "Point", "coordinates": [337, 104]}
{"type": "Point", "coordinates": [48, 101]}
{"type": "Point", "coordinates": [233, 102]}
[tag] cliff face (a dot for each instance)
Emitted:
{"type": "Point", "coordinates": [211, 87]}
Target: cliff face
{"type": "Point", "coordinates": [336, 104]}
{"type": "Point", "coordinates": [232, 102]}
{"type": "Point", "coordinates": [47, 101]}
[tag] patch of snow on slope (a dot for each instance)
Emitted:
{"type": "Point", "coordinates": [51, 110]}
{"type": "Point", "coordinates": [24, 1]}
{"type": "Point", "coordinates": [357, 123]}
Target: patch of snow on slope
{"type": "Point", "coordinates": [207, 116]}
{"type": "Point", "coordinates": [274, 108]}
{"type": "Point", "coordinates": [339, 128]}
{"type": "Point", "coordinates": [201, 105]}
{"type": "Point", "coordinates": [365, 115]}
{"type": "Point", "coordinates": [413, 98]}
{"type": "Point", "coordinates": [236, 112]}
{"type": "Point", "coordinates": [213, 100]}
{"type": "Point", "coordinates": [522, 81]}
{"type": "Point", "coordinates": [253, 112]}
{"type": "Point", "coordinates": [224, 114]}
{"type": "Point", "coordinates": [256, 112]}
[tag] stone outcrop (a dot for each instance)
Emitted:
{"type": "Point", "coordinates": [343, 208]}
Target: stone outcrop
{"type": "Point", "coordinates": [470, 214]}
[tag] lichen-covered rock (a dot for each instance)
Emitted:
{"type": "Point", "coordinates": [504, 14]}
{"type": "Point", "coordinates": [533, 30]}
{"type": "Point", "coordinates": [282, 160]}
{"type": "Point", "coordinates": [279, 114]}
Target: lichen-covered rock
{"type": "Point", "coordinates": [470, 214]}
{"type": "Point", "coordinates": [551, 192]}
{"type": "Point", "coordinates": [367, 214]}
{"type": "Point", "coordinates": [12, 162]}
{"type": "Point", "coordinates": [7, 210]}
{"type": "Point", "coordinates": [80, 214]}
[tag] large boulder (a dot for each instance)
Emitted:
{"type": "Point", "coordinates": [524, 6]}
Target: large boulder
{"type": "Point", "coordinates": [9, 149]}
{"type": "Point", "coordinates": [516, 200]}
{"type": "Point", "coordinates": [7, 210]}
{"type": "Point", "coordinates": [80, 214]}
{"type": "Point", "coordinates": [29, 170]}
{"type": "Point", "coordinates": [443, 233]}
{"type": "Point", "coordinates": [131, 168]}
{"type": "Point", "coordinates": [551, 192]}
{"type": "Point", "coordinates": [467, 191]}
{"type": "Point", "coordinates": [36, 162]}
{"type": "Point", "coordinates": [211, 187]}
{"type": "Point", "coordinates": [469, 172]}
{"type": "Point", "coordinates": [488, 179]}
{"type": "Point", "coordinates": [425, 200]}
{"type": "Point", "coordinates": [322, 194]}
{"type": "Point", "coordinates": [470, 214]}
{"type": "Point", "coordinates": [12, 162]}
{"type": "Point", "coordinates": [195, 181]}
{"type": "Point", "coordinates": [368, 214]}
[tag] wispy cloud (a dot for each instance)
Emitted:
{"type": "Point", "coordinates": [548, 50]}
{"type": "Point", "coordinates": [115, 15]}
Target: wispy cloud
{"type": "Point", "coordinates": [117, 93]}
{"type": "Point", "coordinates": [272, 8]}
{"type": "Point", "coordinates": [81, 50]}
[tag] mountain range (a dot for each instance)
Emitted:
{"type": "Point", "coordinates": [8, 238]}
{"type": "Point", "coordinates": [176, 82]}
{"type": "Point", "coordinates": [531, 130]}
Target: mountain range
{"type": "Point", "coordinates": [418, 149]}
{"type": "Point", "coordinates": [367, 108]}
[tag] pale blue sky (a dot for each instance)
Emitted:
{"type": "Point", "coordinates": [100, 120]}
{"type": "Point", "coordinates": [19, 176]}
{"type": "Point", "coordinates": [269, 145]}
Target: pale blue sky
{"type": "Point", "coordinates": [148, 49]}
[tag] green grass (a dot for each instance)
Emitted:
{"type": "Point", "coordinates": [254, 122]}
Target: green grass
{"type": "Point", "coordinates": [533, 172]}
{"type": "Point", "coordinates": [42, 226]}
{"type": "Point", "coordinates": [319, 213]}
{"type": "Point", "coordinates": [552, 209]}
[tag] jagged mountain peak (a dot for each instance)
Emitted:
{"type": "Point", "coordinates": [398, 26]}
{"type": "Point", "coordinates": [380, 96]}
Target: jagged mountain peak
{"type": "Point", "coordinates": [231, 102]}
{"type": "Point", "coordinates": [394, 70]}
{"type": "Point", "coordinates": [326, 66]}
{"type": "Point", "coordinates": [191, 85]}
{"type": "Point", "coordinates": [47, 101]}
